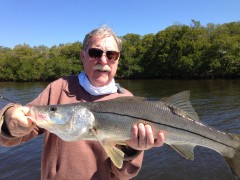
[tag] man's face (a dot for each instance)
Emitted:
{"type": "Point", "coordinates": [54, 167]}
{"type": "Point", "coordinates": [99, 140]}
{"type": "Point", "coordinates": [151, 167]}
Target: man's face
{"type": "Point", "coordinates": [100, 70]}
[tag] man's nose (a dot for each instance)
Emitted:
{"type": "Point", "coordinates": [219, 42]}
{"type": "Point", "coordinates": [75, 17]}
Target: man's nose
{"type": "Point", "coordinates": [103, 59]}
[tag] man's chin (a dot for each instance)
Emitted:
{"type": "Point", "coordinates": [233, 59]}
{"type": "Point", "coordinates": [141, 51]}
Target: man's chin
{"type": "Point", "coordinates": [100, 82]}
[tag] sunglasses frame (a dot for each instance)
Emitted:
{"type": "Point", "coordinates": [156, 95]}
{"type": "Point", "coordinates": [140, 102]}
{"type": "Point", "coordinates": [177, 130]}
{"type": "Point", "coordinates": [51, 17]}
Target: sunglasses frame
{"type": "Point", "coordinates": [98, 53]}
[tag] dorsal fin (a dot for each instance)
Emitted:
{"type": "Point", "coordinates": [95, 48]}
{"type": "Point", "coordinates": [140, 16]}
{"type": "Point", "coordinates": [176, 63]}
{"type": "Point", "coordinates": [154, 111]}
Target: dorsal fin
{"type": "Point", "coordinates": [181, 104]}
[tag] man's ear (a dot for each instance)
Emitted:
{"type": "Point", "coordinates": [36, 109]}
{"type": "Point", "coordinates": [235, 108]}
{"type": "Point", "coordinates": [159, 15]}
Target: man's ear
{"type": "Point", "coordinates": [82, 55]}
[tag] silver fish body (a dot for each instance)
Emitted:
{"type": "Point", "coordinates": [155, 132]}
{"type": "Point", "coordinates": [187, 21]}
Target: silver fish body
{"type": "Point", "coordinates": [112, 121]}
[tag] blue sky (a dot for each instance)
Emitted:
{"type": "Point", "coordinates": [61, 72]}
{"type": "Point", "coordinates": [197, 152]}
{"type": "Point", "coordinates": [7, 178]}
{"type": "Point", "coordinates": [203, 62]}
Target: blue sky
{"type": "Point", "coordinates": [51, 22]}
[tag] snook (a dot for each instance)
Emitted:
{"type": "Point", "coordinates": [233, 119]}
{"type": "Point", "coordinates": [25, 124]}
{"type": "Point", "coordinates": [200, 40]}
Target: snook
{"type": "Point", "coordinates": [110, 122]}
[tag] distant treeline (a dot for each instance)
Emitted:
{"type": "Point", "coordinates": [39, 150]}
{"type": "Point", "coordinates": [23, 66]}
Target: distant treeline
{"type": "Point", "coordinates": [179, 51]}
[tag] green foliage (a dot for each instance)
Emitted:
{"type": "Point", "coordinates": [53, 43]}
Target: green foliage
{"type": "Point", "coordinates": [129, 65]}
{"type": "Point", "coordinates": [179, 51]}
{"type": "Point", "coordinates": [23, 63]}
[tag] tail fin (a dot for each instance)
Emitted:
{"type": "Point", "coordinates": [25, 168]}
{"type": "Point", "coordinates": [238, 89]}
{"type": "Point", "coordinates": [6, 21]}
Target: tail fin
{"type": "Point", "coordinates": [234, 162]}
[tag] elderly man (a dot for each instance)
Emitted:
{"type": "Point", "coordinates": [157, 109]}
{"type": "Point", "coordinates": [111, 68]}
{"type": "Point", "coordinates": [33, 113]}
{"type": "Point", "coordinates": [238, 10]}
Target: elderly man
{"type": "Point", "coordinates": [81, 159]}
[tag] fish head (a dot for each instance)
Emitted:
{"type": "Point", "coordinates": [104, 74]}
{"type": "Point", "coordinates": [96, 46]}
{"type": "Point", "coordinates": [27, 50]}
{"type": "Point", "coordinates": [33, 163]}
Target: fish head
{"type": "Point", "coordinates": [49, 114]}
{"type": "Point", "coordinates": [69, 122]}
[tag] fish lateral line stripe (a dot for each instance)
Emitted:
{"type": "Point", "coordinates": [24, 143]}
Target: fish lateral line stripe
{"type": "Point", "coordinates": [147, 120]}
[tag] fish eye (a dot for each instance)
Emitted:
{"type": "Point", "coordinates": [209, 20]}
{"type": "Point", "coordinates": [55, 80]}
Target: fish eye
{"type": "Point", "coordinates": [53, 108]}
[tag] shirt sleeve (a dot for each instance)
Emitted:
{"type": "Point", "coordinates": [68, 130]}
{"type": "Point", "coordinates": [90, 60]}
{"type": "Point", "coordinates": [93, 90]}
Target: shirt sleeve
{"type": "Point", "coordinates": [6, 139]}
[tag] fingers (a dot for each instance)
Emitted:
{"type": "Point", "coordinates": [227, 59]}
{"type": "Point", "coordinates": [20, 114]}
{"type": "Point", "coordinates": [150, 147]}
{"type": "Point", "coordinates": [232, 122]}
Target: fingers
{"type": "Point", "coordinates": [19, 115]}
{"type": "Point", "coordinates": [160, 139]}
{"type": "Point", "coordinates": [135, 133]}
{"type": "Point", "coordinates": [17, 123]}
{"type": "Point", "coordinates": [20, 131]}
{"type": "Point", "coordinates": [146, 136]}
{"type": "Point", "coordinates": [143, 137]}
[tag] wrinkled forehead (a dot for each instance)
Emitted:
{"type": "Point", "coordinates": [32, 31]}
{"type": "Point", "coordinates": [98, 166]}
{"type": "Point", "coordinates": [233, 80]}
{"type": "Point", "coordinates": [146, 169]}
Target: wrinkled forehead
{"type": "Point", "coordinates": [100, 36]}
{"type": "Point", "coordinates": [106, 40]}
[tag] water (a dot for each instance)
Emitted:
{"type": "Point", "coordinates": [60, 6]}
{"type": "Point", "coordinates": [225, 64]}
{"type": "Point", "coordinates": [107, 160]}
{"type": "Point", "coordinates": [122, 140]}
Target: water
{"type": "Point", "coordinates": [216, 102]}
{"type": "Point", "coordinates": [23, 161]}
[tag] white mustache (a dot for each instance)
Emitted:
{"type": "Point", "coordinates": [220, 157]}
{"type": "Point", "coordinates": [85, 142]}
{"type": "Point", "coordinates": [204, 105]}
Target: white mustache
{"type": "Point", "coordinates": [102, 68]}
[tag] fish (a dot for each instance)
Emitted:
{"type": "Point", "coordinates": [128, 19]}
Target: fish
{"type": "Point", "coordinates": [110, 122]}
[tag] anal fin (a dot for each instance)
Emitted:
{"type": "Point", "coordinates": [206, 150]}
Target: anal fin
{"type": "Point", "coordinates": [186, 150]}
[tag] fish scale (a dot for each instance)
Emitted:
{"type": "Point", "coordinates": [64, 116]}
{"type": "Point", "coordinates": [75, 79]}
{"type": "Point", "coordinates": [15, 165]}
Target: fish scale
{"type": "Point", "coordinates": [167, 118]}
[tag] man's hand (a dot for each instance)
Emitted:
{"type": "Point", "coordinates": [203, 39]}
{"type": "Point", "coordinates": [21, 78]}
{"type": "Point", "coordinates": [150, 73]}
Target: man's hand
{"type": "Point", "coordinates": [17, 122]}
{"type": "Point", "coordinates": [143, 138]}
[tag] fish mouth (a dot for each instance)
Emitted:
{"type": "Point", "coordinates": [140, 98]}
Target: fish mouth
{"type": "Point", "coordinates": [102, 68]}
{"type": "Point", "coordinates": [31, 115]}
{"type": "Point", "coordinates": [37, 117]}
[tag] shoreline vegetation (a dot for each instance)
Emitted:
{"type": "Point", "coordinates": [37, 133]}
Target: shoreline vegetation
{"type": "Point", "coordinates": [177, 52]}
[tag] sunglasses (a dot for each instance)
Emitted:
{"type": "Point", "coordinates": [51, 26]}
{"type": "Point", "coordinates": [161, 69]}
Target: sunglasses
{"type": "Point", "coordinates": [97, 53]}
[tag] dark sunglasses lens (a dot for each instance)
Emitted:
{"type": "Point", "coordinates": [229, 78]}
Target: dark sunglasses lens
{"type": "Point", "coordinates": [112, 55]}
{"type": "Point", "coordinates": [95, 53]}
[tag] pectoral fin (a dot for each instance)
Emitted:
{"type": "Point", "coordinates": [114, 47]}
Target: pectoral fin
{"type": "Point", "coordinates": [186, 150]}
{"type": "Point", "coordinates": [115, 154]}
